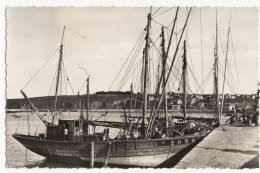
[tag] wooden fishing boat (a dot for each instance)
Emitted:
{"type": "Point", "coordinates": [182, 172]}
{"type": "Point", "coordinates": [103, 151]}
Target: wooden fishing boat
{"type": "Point", "coordinates": [144, 153]}
{"type": "Point", "coordinates": [143, 144]}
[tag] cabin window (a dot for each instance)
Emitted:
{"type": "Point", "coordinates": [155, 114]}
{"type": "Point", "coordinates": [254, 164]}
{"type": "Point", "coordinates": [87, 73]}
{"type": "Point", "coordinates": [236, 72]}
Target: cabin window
{"type": "Point", "coordinates": [76, 123]}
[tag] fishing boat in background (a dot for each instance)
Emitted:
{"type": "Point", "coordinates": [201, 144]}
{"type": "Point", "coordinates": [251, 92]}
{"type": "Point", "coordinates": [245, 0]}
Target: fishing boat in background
{"type": "Point", "coordinates": [16, 116]}
{"type": "Point", "coordinates": [144, 141]}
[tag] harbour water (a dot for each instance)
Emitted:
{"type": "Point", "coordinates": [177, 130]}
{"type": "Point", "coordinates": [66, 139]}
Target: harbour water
{"type": "Point", "coordinates": [18, 156]}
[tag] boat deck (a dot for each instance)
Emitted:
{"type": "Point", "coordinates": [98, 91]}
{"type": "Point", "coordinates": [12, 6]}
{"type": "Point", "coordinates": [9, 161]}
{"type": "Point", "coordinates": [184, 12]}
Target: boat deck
{"type": "Point", "coordinates": [225, 147]}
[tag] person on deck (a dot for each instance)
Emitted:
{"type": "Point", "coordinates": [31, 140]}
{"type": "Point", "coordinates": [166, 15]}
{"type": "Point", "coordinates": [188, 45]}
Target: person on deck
{"type": "Point", "coordinates": [66, 133]}
{"type": "Point", "coordinates": [156, 133]}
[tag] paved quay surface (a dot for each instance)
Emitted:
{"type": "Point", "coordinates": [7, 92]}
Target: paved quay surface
{"type": "Point", "coordinates": [225, 147]}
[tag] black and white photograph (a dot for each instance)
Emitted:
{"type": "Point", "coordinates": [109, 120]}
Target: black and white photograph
{"type": "Point", "coordinates": [132, 87]}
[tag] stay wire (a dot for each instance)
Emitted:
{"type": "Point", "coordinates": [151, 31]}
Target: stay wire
{"type": "Point", "coordinates": [37, 72]}
{"type": "Point", "coordinates": [231, 77]}
{"type": "Point", "coordinates": [194, 77]}
{"type": "Point", "coordinates": [67, 78]}
{"type": "Point", "coordinates": [156, 11]}
{"type": "Point", "coordinates": [155, 21]}
{"type": "Point", "coordinates": [78, 34]}
{"type": "Point", "coordinates": [131, 63]}
{"type": "Point", "coordinates": [235, 58]}
{"type": "Point", "coordinates": [130, 74]}
{"type": "Point", "coordinates": [52, 82]}
{"type": "Point", "coordinates": [167, 10]}
{"type": "Point", "coordinates": [122, 67]}
{"type": "Point", "coordinates": [140, 37]}
{"type": "Point", "coordinates": [201, 49]}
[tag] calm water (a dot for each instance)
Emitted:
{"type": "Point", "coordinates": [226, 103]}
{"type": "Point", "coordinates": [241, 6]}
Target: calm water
{"type": "Point", "coordinates": [18, 156]}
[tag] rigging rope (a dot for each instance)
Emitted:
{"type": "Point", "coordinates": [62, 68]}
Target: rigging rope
{"type": "Point", "coordinates": [140, 38]}
{"type": "Point", "coordinates": [201, 49]}
{"type": "Point", "coordinates": [167, 10]}
{"type": "Point", "coordinates": [81, 36]}
{"type": "Point", "coordinates": [156, 11]}
{"type": "Point", "coordinates": [225, 68]}
{"type": "Point", "coordinates": [130, 74]}
{"type": "Point", "coordinates": [235, 62]}
{"type": "Point", "coordinates": [155, 21]}
{"type": "Point", "coordinates": [67, 78]}
{"type": "Point", "coordinates": [194, 77]}
{"type": "Point", "coordinates": [138, 42]}
{"type": "Point", "coordinates": [231, 77]}
{"type": "Point", "coordinates": [131, 63]}
{"type": "Point", "coordinates": [83, 84]}
{"type": "Point", "coordinates": [33, 76]}
{"type": "Point", "coordinates": [52, 82]}
{"type": "Point", "coordinates": [207, 77]}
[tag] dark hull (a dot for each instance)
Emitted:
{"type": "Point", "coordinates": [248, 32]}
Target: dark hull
{"type": "Point", "coordinates": [144, 153]}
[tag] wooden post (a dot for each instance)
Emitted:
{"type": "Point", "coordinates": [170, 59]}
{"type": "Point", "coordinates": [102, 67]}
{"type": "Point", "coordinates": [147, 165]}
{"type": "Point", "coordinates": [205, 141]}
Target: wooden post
{"type": "Point", "coordinates": [107, 154]}
{"type": "Point", "coordinates": [92, 154]}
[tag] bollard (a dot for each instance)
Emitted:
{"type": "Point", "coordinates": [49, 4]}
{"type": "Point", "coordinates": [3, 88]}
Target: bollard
{"type": "Point", "coordinates": [92, 154]}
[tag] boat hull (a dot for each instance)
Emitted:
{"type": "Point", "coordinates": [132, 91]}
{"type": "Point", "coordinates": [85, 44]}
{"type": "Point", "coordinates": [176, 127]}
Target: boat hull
{"type": "Point", "coordinates": [131, 153]}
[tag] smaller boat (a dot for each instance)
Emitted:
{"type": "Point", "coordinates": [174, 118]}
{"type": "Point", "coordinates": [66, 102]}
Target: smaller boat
{"type": "Point", "coordinates": [16, 116]}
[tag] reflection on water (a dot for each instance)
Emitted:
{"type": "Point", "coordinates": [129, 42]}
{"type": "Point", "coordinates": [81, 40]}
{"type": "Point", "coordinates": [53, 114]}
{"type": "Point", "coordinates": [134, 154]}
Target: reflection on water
{"type": "Point", "coordinates": [18, 156]}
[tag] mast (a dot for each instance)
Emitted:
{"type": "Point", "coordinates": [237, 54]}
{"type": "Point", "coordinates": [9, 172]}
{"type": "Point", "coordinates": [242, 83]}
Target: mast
{"type": "Point", "coordinates": [216, 73]}
{"type": "Point", "coordinates": [131, 100]}
{"type": "Point", "coordinates": [184, 71]}
{"type": "Point", "coordinates": [145, 74]}
{"type": "Point", "coordinates": [58, 76]}
{"type": "Point", "coordinates": [164, 78]}
{"type": "Point", "coordinates": [152, 116]}
{"type": "Point", "coordinates": [80, 107]}
{"type": "Point", "coordinates": [87, 105]}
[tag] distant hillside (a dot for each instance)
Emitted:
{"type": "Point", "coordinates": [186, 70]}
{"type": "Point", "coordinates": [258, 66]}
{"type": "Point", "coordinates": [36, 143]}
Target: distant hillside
{"type": "Point", "coordinates": [120, 100]}
{"type": "Point", "coordinates": [99, 100]}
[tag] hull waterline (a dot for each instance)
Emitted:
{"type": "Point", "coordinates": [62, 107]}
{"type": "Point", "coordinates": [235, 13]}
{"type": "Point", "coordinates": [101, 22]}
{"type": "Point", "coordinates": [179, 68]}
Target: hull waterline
{"type": "Point", "coordinates": [145, 153]}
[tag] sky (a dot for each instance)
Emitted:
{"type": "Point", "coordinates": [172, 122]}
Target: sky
{"type": "Point", "coordinates": [100, 39]}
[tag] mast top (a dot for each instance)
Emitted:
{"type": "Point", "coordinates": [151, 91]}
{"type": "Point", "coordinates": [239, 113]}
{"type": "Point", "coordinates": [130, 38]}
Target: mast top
{"type": "Point", "coordinates": [63, 32]}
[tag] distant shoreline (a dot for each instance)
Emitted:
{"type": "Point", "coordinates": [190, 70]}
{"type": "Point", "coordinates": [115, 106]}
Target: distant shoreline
{"type": "Point", "coordinates": [113, 111]}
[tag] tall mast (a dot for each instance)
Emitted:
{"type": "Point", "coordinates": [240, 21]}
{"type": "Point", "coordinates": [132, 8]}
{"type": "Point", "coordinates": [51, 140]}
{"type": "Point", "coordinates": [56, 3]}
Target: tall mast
{"type": "Point", "coordinates": [145, 74]}
{"type": "Point", "coordinates": [152, 116]}
{"type": "Point", "coordinates": [184, 69]}
{"type": "Point", "coordinates": [164, 78]}
{"type": "Point", "coordinates": [58, 75]}
{"type": "Point", "coordinates": [87, 105]}
{"type": "Point", "coordinates": [216, 73]}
